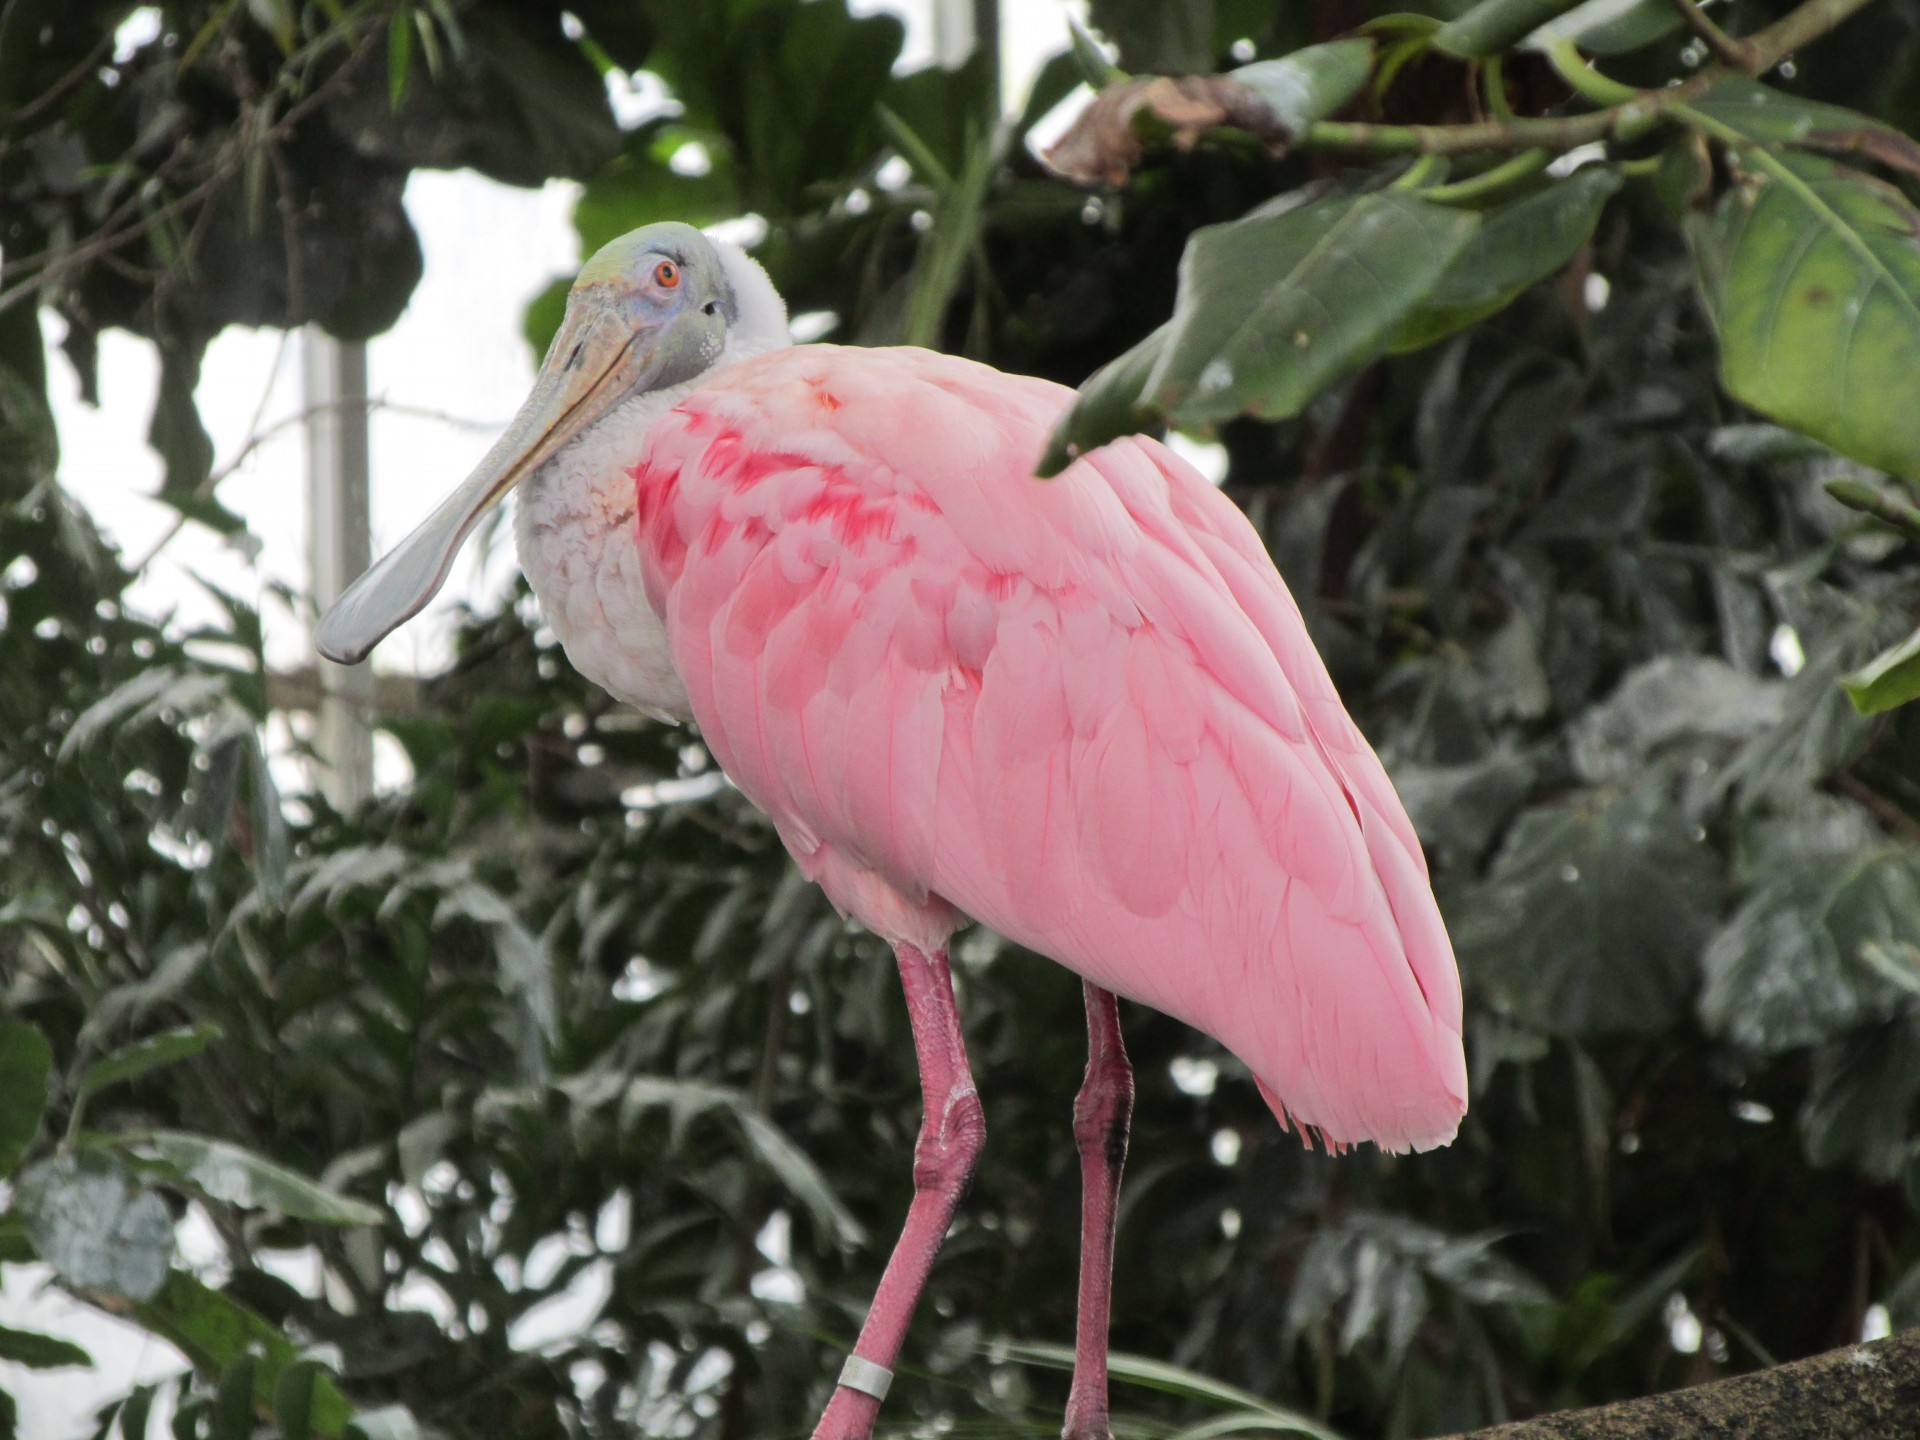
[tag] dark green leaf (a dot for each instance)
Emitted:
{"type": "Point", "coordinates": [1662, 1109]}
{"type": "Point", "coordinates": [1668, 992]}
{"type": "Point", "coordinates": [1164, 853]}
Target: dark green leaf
{"type": "Point", "coordinates": [26, 1062]}
{"type": "Point", "coordinates": [1593, 914]}
{"type": "Point", "coordinates": [1768, 116]}
{"type": "Point", "coordinates": [1891, 678]}
{"type": "Point", "coordinates": [1812, 275]}
{"type": "Point", "coordinates": [224, 1171]}
{"type": "Point", "coordinates": [1493, 25]}
{"type": "Point", "coordinates": [144, 1055]}
{"type": "Point", "coordinates": [1171, 37]}
{"type": "Point", "coordinates": [1518, 245]}
{"type": "Point", "coordinates": [39, 1352]}
{"type": "Point", "coordinates": [214, 1332]}
{"type": "Point", "coordinates": [1791, 967]}
{"type": "Point", "coordinates": [1862, 1092]}
{"type": "Point", "coordinates": [91, 1221]}
{"type": "Point", "coordinates": [232, 1415]}
{"type": "Point", "coordinates": [1309, 84]}
{"type": "Point", "coordinates": [643, 185]}
{"type": "Point", "coordinates": [1095, 68]}
{"type": "Point", "coordinates": [135, 1413]}
{"type": "Point", "coordinates": [1112, 403]}
{"type": "Point", "coordinates": [1278, 305]}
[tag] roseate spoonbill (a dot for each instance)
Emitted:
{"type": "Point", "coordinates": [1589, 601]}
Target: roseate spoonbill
{"type": "Point", "coordinates": [1083, 711]}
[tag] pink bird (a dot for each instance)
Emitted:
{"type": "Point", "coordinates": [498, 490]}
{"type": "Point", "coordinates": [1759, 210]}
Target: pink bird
{"type": "Point", "coordinates": [1082, 711]}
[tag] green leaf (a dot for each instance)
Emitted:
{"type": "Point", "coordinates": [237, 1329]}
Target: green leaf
{"type": "Point", "coordinates": [1862, 1092]}
{"type": "Point", "coordinates": [1311, 83]}
{"type": "Point", "coordinates": [1611, 27]}
{"type": "Point", "coordinates": [1170, 37]}
{"type": "Point", "coordinates": [1518, 245]}
{"type": "Point", "coordinates": [1095, 68]}
{"type": "Point", "coordinates": [1111, 404]}
{"type": "Point", "coordinates": [293, 1400]}
{"type": "Point", "coordinates": [39, 1352]}
{"type": "Point", "coordinates": [96, 1225]}
{"type": "Point", "coordinates": [683, 1099]}
{"type": "Point", "coordinates": [135, 1412]}
{"type": "Point", "coordinates": [1176, 1380]}
{"type": "Point", "coordinates": [1592, 916]}
{"type": "Point", "coordinates": [1811, 273]}
{"type": "Point", "coordinates": [232, 1415]}
{"type": "Point", "coordinates": [1279, 304]}
{"type": "Point", "coordinates": [214, 1331]}
{"type": "Point", "coordinates": [26, 1063]}
{"type": "Point", "coordinates": [1791, 967]}
{"type": "Point", "coordinates": [668, 172]}
{"type": "Point", "coordinates": [399, 58]}
{"type": "Point", "coordinates": [1768, 116]}
{"type": "Point", "coordinates": [277, 19]}
{"type": "Point", "coordinates": [144, 1055]}
{"type": "Point", "coordinates": [224, 1171]}
{"type": "Point", "coordinates": [1494, 25]}
{"type": "Point", "coordinates": [1891, 678]}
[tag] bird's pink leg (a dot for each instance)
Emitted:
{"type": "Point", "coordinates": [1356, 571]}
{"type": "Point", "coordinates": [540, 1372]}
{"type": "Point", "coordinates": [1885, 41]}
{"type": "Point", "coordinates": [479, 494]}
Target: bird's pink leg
{"type": "Point", "coordinates": [952, 1131]}
{"type": "Point", "coordinates": [1102, 1112]}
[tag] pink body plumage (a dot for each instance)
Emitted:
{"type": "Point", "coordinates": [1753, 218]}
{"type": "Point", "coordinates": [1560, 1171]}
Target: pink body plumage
{"type": "Point", "coordinates": [1083, 711]}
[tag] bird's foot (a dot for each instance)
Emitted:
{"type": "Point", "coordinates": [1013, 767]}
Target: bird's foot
{"type": "Point", "coordinates": [1087, 1430]}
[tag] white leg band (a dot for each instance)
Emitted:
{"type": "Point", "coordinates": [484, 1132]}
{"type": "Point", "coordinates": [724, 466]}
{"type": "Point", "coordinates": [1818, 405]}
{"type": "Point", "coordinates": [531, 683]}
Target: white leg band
{"type": "Point", "coordinates": [866, 1377]}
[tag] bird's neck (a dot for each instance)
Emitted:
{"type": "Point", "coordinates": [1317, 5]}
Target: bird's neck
{"type": "Point", "coordinates": [574, 531]}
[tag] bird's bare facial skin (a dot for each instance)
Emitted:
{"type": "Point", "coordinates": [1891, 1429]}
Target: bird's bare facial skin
{"type": "Point", "coordinates": [649, 311]}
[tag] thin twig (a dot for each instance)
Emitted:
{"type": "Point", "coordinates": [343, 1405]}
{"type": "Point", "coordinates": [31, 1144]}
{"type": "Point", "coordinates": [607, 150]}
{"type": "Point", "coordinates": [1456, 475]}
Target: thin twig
{"type": "Point", "coordinates": [52, 263]}
{"type": "Point", "coordinates": [1731, 51]}
{"type": "Point", "coordinates": [1628, 113]}
{"type": "Point", "coordinates": [260, 437]}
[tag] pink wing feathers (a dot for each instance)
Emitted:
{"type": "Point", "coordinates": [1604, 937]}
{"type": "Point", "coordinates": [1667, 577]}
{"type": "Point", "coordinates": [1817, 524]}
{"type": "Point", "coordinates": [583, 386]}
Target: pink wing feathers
{"type": "Point", "coordinates": [1084, 711]}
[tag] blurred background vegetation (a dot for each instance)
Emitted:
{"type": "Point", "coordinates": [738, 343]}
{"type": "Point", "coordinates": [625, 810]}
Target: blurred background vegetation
{"type": "Point", "coordinates": [561, 1018]}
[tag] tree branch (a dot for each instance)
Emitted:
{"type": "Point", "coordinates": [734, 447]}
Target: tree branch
{"type": "Point", "coordinates": [1103, 145]}
{"type": "Point", "coordinates": [1864, 1392]}
{"type": "Point", "coordinates": [1731, 51]}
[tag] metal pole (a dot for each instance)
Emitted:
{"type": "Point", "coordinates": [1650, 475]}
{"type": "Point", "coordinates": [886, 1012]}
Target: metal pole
{"type": "Point", "coordinates": [339, 548]}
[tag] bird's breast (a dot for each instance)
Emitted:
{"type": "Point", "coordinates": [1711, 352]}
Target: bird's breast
{"type": "Point", "coordinates": [575, 536]}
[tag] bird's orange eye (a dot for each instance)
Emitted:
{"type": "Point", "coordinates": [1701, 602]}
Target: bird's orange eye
{"type": "Point", "coordinates": [666, 275]}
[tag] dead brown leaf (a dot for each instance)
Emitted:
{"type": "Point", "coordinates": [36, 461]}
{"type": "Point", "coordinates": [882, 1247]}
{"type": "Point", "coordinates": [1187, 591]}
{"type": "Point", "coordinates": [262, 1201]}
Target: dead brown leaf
{"type": "Point", "coordinates": [1112, 134]}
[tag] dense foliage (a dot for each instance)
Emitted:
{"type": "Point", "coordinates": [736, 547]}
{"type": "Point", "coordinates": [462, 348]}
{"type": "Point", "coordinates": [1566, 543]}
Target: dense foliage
{"type": "Point", "coordinates": [562, 1014]}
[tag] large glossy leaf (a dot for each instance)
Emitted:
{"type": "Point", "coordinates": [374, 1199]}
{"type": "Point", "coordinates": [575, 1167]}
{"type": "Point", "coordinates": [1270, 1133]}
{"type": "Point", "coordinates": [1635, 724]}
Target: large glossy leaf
{"type": "Point", "coordinates": [1518, 245]}
{"type": "Point", "coordinates": [224, 1171]}
{"type": "Point", "coordinates": [1111, 404]}
{"type": "Point", "coordinates": [1276, 306]}
{"type": "Point", "coordinates": [1593, 914]}
{"type": "Point", "coordinates": [1796, 963]}
{"type": "Point", "coordinates": [214, 1331]}
{"type": "Point", "coordinates": [95, 1224]}
{"type": "Point", "coordinates": [26, 1061]}
{"type": "Point", "coordinates": [1812, 274]}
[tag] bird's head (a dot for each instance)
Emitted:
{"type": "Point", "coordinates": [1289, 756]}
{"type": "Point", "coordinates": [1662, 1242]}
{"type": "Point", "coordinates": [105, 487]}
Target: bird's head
{"type": "Point", "coordinates": [652, 310]}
